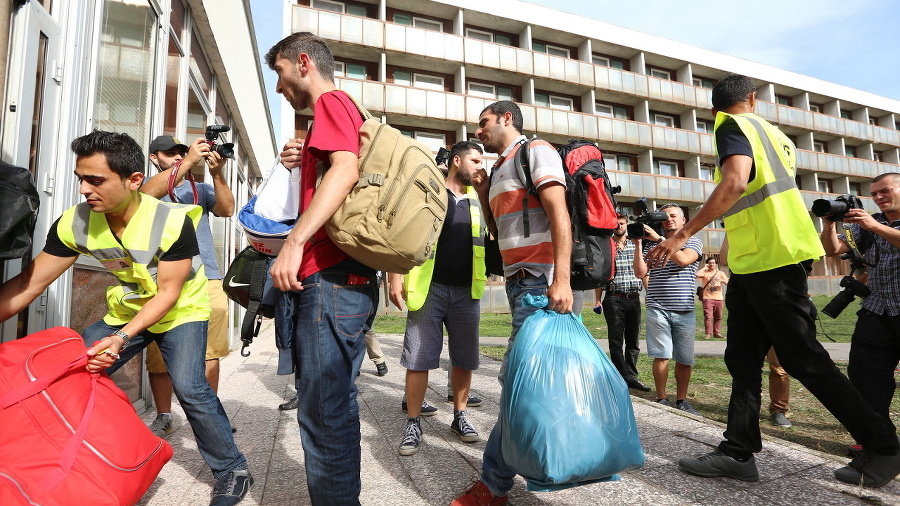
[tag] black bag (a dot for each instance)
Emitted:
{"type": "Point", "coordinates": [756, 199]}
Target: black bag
{"type": "Point", "coordinates": [20, 202]}
{"type": "Point", "coordinates": [493, 262]}
{"type": "Point", "coordinates": [592, 209]}
{"type": "Point", "coordinates": [249, 284]}
{"type": "Point", "coordinates": [700, 292]}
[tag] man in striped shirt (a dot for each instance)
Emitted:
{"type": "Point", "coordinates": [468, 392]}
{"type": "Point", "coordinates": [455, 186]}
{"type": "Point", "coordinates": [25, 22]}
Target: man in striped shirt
{"type": "Point", "coordinates": [671, 324]}
{"type": "Point", "coordinates": [536, 251]}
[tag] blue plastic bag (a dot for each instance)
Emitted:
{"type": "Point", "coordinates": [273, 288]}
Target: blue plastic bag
{"type": "Point", "coordinates": [566, 414]}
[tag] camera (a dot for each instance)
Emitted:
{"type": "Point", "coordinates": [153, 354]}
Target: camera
{"type": "Point", "coordinates": [442, 155]}
{"type": "Point", "coordinates": [652, 218]}
{"type": "Point", "coordinates": [225, 150]}
{"type": "Point", "coordinates": [836, 210]}
{"type": "Point", "coordinates": [852, 288]}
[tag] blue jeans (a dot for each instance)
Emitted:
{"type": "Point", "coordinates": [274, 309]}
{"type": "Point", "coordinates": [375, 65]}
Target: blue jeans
{"type": "Point", "coordinates": [671, 334]}
{"type": "Point", "coordinates": [184, 351]}
{"type": "Point", "coordinates": [494, 472]}
{"type": "Point", "coordinates": [330, 322]}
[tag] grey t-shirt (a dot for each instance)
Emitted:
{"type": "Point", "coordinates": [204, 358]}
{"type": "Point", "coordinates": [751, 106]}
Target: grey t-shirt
{"type": "Point", "coordinates": [206, 199]}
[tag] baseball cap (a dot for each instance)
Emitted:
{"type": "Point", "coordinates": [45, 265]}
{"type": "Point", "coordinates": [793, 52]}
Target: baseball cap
{"type": "Point", "coordinates": [165, 143]}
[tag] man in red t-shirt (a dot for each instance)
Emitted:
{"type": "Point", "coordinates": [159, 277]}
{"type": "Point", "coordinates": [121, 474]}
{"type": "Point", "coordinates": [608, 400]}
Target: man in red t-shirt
{"type": "Point", "coordinates": [333, 295]}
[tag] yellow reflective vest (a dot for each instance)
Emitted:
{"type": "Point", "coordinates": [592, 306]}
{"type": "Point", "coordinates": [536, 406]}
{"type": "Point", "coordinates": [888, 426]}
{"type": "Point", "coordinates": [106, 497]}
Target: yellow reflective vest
{"type": "Point", "coordinates": [769, 227]}
{"type": "Point", "coordinates": [152, 230]}
{"type": "Point", "coordinates": [416, 283]}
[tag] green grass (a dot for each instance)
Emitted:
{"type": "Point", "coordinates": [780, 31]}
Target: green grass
{"type": "Point", "coordinates": [499, 324]}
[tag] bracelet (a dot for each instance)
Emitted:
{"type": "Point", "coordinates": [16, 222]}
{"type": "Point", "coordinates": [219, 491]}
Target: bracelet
{"type": "Point", "coordinates": [125, 337]}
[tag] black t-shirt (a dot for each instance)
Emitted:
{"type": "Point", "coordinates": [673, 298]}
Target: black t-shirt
{"type": "Point", "coordinates": [183, 247]}
{"type": "Point", "coordinates": [453, 259]}
{"type": "Point", "coordinates": [730, 140]}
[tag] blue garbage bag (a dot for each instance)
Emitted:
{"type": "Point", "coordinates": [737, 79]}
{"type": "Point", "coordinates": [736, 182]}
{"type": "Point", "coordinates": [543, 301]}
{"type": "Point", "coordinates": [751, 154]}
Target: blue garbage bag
{"type": "Point", "coordinates": [566, 414]}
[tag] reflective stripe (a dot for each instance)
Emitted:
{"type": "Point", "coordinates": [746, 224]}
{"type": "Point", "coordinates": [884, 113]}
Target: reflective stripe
{"type": "Point", "coordinates": [784, 181]}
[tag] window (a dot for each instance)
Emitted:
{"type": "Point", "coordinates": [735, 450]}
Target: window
{"type": "Point", "coordinates": [850, 151]}
{"type": "Point", "coordinates": [783, 100]}
{"type": "Point", "coordinates": [824, 185]}
{"type": "Point", "coordinates": [612, 110]}
{"type": "Point", "coordinates": [878, 156]}
{"type": "Point", "coordinates": [658, 73]}
{"type": "Point", "coordinates": [620, 162]}
{"type": "Point", "coordinates": [666, 168]}
{"type": "Point", "coordinates": [818, 147]}
{"type": "Point", "coordinates": [554, 101]}
{"type": "Point", "coordinates": [663, 120]}
{"type": "Point", "coordinates": [491, 91]}
{"type": "Point", "coordinates": [873, 121]}
{"type": "Point", "coordinates": [815, 108]}
{"type": "Point", "coordinates": [855, 189]}
{"type": "Point", "coordinates": [417, 80]}
{"type": "Point", "coordinates": [329, 5]}
{"type": "Point", "coordinates": [608, 61]}
{"type": "Point", "coordinates": [433, 140]}
{"type": "Point", "coordinates": [427, 24]}
{"type": "Point", "coordinates": [706, 171]}
{"type": "Point", "coordinates": [703, 82]}
{"type": "Point", "coordinates": [352, 70]}
{"type": "Point", "coordinates": [846, 114]}
{"type": "Point", "coordinates": [897, 125]}
{"type": "Point", "coordinates": [543, 47]}
{"type": "Point", "coordinates": [497, 38]}
{"type": "Point", "coordinates": [704, 126]}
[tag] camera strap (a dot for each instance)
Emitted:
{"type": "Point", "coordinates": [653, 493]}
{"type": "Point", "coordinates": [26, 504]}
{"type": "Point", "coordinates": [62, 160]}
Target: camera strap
{"type": "Point", "coordinates": [851, 241]}
{"type": "Point", "coordinates": [173, 175]}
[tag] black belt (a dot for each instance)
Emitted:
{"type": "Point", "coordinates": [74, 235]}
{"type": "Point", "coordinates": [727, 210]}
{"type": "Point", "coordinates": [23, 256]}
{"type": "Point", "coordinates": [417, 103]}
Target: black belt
{"type": "Point", "coordinates": [624, 295]}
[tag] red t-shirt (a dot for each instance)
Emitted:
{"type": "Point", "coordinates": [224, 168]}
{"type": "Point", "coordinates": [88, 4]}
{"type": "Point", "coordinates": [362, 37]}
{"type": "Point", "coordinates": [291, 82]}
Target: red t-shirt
{"type": "Point", "coordinates": [336, 123]}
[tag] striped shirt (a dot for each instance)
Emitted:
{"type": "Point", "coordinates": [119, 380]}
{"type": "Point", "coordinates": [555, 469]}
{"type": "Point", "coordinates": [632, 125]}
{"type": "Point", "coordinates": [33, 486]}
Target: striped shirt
{"type": "Point", "coordinates": [624, 280]}
{"type": "Point", "coordinates": [884, 278]}
{"type": "Point", "coordinates": [535, 252]}
{"type": "Point", "coordinates": [671, 287]}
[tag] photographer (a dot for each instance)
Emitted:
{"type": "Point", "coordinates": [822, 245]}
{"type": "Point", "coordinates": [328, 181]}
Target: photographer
{"type": "Point", "coordinates": [875, 345]}
{"type": "Point", "coordinates": [168, 155]}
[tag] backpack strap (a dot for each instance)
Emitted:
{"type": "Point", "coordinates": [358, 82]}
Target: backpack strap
{"type": "Point", "coordinates": [252, 319]}
{"type": "Point", "coordinates": [523, 169]}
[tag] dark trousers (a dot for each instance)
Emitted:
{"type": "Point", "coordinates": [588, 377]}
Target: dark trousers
{"type": "Point", "coordinates": [623, 320]}
{"type": "Point", "coordinates": [771, 308]}
{"type": "Point", "coordinates": [874, 354]}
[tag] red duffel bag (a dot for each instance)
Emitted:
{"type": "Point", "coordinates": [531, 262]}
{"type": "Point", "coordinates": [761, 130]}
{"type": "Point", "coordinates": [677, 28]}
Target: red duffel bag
{"type": "Point", "coordinates": [68, 436]}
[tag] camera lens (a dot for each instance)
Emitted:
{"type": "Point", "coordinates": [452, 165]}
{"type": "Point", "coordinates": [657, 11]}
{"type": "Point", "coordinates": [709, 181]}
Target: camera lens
{"type": "Point", "coordinates": [823, 207]}
{"type": "Point", "coordinates": [225, 150]}
{"type": "Point", "coordinates": [635, 230]}
{"type": "Point", "coordinates": [838, 303]}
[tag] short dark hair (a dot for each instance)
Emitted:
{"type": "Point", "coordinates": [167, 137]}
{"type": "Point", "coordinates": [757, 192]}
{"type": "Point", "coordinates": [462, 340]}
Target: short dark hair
{"type": "Point", "coordinates": [461, 148]}
{"type": "Point", "coordinates": [711, 258]}
{"type": "Point", "coordinates": [123, 154]}
{"type": "Point", "coordinates": [294, 44]}
{"type": "Point", "coordinates": [895, 175]}
{"type": "Point", "coordinates": [730, 90]}
{"type": "Point", "coordinates": [502, 107]}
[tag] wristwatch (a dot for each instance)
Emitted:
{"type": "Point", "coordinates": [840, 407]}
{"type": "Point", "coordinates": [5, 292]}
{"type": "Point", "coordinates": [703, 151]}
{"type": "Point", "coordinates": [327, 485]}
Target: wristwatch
{"type": "Point", "coordinates": [125, 337]}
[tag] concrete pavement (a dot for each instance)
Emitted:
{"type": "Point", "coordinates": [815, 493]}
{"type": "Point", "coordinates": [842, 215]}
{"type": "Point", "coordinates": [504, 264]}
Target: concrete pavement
{"type": "Point", "coordinates": [250, 391]}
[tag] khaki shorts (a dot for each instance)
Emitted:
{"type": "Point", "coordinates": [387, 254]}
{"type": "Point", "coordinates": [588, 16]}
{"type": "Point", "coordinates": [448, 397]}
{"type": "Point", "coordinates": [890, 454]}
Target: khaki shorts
{"type": "Point", "coordinates": [217, 345]}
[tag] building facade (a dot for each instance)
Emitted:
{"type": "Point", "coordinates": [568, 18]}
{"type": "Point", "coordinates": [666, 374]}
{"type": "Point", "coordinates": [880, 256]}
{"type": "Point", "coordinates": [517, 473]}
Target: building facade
{"type": "Point", "coordinates": [430, 67]}
{"type": "Point", "coordinates": [142, 67]}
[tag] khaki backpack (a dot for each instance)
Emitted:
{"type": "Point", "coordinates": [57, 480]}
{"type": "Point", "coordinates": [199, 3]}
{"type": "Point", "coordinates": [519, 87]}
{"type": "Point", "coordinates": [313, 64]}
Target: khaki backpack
{"type": "Point", "coordinates": [393, 216]}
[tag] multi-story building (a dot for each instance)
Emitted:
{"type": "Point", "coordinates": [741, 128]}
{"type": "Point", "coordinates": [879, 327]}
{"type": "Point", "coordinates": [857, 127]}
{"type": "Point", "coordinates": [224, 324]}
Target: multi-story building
{"type": "Point", "coordinates": [143, 67]}
{"type": "Point", "coordinates": [429, 67]}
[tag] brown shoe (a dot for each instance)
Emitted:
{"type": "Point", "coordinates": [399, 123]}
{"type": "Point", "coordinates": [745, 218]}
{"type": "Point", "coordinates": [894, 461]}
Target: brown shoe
{"type": "Point", "coordinates": [707, 336]}
{"type": "Point", "coordinates": [479, 495]}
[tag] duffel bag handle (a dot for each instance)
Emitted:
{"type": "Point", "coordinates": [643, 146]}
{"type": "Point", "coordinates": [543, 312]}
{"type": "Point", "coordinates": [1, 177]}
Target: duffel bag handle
{"type": "Point", "coordinates": [70, 450]}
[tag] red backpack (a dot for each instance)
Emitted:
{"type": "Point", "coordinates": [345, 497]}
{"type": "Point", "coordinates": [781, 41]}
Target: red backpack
{"type": "Point", "coordinates": [69, 436]}
{"type": "Point", "coordinates": [591, 200]}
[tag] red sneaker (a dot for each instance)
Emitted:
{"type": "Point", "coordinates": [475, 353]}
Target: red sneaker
{"type": "Point", "coordinates": [479, 495]}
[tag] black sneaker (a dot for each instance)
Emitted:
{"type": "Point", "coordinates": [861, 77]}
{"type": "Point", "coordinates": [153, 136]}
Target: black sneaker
{"type": "Point", "coordinates": [381, 368]}
{"type": "Point", "coordinates": [427, 409]}
{"type": "Point", "coordinates": [463, 429]}
{"type": "Point", "coordinates": [780, 420]}
{"type": "Point", "coordinates": [663, 402]}
{"type": "Point", "coordinates": [687, 408]}
{"type": "Point", "coordinates": [716, 463]}
{"type": "Point", "coordinates": [870, 470]}
{"type": "Point", "coordinates": [231, 488]}
{"type": "Point", "coordinates": [472, 402]}
{"type": "Point", "coordinates": [412, 439]}
{"type": "Point", "coordinates": [289, 405]}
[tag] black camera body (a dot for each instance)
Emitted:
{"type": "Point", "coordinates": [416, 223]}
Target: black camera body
{"type": "Point", "coordinates": [836, 210]}
{"type": "Point", "coordinates": [442, 156]}
{"type": "Point", "coordinates": [852, 288]}
{"type": "Point", "coordinates": [225, 150]}
{"type": "Point", "coordinates": [645, 217]}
